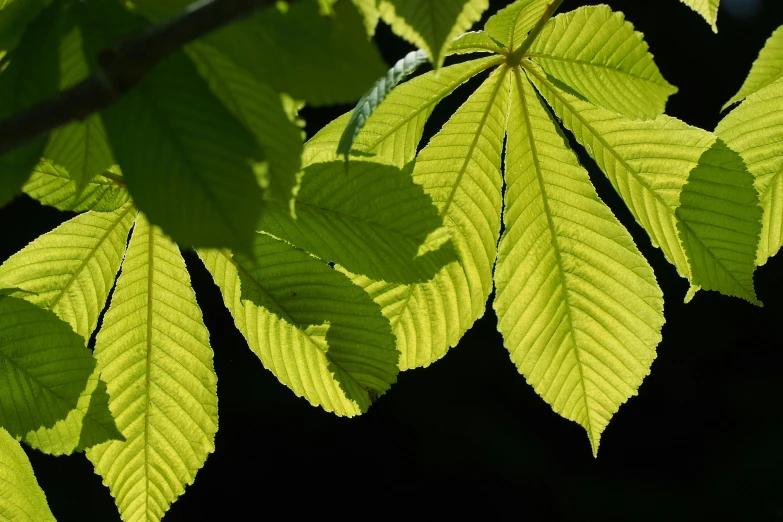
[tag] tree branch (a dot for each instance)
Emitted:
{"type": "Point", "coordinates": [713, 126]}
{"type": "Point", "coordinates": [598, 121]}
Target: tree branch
{"type": "Point", "coordinates": [123, 68]}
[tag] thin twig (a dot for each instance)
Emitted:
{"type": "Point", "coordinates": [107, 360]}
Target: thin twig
{"type": "Point", "coordinates": [122, 68]}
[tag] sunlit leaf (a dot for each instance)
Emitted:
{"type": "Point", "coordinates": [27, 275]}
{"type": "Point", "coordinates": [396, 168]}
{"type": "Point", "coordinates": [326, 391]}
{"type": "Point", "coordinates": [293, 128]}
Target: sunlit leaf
{"type": "Point", "coordinates": [706, 8]}
{"type": "Point", "coordinates": [320, 335]}
{"type": "Point", "coordinates": [44, 367]}
{"type": "Point", "coordinates": [755, 131]}
{"type": "Point", "coordinates": [767, 69]}
{"type": "Point", "coordinates": [153, 352]}
{"type": "Point", "coordinates": [577, 304]}
{"type": "Point", "coordinates": [598, 54]}
{"type": "Point", "coordinates": [21, 498]}
{"type": "Point", "coordinates": [431, 24]}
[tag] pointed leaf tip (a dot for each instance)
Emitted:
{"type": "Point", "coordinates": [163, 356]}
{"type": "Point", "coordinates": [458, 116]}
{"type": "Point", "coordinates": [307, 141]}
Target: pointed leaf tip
{"type": "Point", "coordinates": [708, 9]}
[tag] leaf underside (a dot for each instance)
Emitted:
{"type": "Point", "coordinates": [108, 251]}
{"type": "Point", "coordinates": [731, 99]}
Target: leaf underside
{"type": "Point", "coordinates": [317, 332]}
{"type": "Point", "coordinates": [577, 304]}
{"type": "Point", "coordinates": [153, 352]}
{"type": "Point", "coordinates": [44, 367]}
{"type": "Point", "coordinates": [755, 131]}
{"type": "Point", "coordinates": [766, 70]}
{"type": "Point", "coordinates": [431, 24]}
{"type": "Point", "coordinates": [706, 8]}
{"type": "Point", "coordinates": [649, 163]}
{"type": "Point", "coordinates": [21, 498]}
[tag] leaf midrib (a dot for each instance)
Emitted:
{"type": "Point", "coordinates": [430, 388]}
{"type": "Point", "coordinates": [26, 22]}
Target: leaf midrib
{"type": "Point", "coordinates": [476, 137]}
{"type": "Point", "coordinates": [657, 83]}
{"type": "Point", "coordinates": [148, 362]}
{"type": "Point", "coordinates": [555, 245]}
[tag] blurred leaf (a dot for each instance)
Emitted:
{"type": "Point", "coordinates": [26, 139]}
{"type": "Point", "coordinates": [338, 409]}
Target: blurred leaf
{"type": "Point", "coordinates": [186, 160]}
{"type": "Point", "coordinates": [431, 24]}
{"type": "Point", "coordinates": [31, 77]}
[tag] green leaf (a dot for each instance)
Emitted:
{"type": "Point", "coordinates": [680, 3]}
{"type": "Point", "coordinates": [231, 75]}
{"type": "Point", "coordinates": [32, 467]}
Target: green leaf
{"type": "Point", "coordinates": [578, 305]}
{"type": "Point", "coordinates": [598, 54]}
{"type": "Point", "coordinates": [89, 424]}
{"type": "Point", "coordinates": [52, 185]}
{"type": "Point", "coordinates": [755, 131]}
{"type": "Point", "coordinates": [767, 69]}
{"type": "Point", "coordinates": [370, 13]}
{"type": "Point", "coordinates": [707, 8]}
{"type": "Point", "coordinates": [187, 162]}
{"type": "Point", "coordinates": [154, 353]}
{"type": "Point", "coordinates": [44, 367]}
{"type": "Point", "coordinates": [394, 129]}
{"type": "Point", "coordinates": [82, 147]}
{"type": "Point", "coordinates": [71, 269]}
{"type": "Point", "coordinates": [375, 96]}
{"type": "Point", "coordinates": [510, 25]}
{"type": "Point", "coordinates": [649, 163]}
{"type": "Point", "coordinates": [317, 332]}
{"type": "Point", "coordinates": [6, 289]}
{"type": "Point", "coordinates": [719, 211]}
{"type": "Point", "coordinates": [460, 170]}
{"type": "Point", "coordinates": [21, 498]}
{"type": "Point", "coordinates": [475, 42]}
{"type": "Point", "coordinates": [335, 63]}
{"type": "Point", "coordinates": [30, 77]}
{"type": "Point", "coordinates": [260, 108]}
{"type": "Point", "coordinates": [15, 16]}
{"type": "Point", "coordinates": [431, 24]}
{"type": "Point", "coordinates": [375, 221]}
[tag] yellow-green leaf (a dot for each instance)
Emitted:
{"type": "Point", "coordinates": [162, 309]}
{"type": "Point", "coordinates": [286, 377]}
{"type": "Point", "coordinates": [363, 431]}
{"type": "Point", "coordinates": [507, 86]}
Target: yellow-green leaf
{"type": "Point", "coordinates": [755, 131]}
{"type": "Point", "coordinates": [321, 335]}
{"type": "Point", "coordinates": [767, 69]}
{"type": "Point", "coordinates": [706, 8]}
{"type": "Point", "coordinates": [21, 498]}
{"type": "Point", "coordinates": [598, 54]}
{"type": "Point", "coordinates": [153, 352]}
{"type": "Point", "coordinates": [431, 24]}
{"type": "Point", "coordinates": [460, 170]}
{"type": "Point", "coordinates": [578, 305]}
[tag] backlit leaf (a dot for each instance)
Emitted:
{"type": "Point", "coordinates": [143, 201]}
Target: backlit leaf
{"type": "Point", "coordinates": [320, 335]}
{"type": "Point", "coordinates": [30, 77]}
{"type": "Point", "coordinates": [431, 24]}
{"type": "Point", "coordinates": [374, 221]}
{"type": "Point", "coordinates": [598, 54]}
{"type": "Point", "coordinates": [153, 352]}
{"type": "Point", "coordinates": [707, 8]}
{"type": "Point", "coordinates": [755, 131]}
{"type": "Point", "coordinates": [577, 304]}
{"type": "Point", "coordinates": [649, 163]}
{"type": "Point", "coordinates": [21, 498]}
{"type": "Point", "coordinates": [767, 69]}
{"type": "Point", "coordinates": [460, 170]}
{"type": "Point", "coordinates": [44, 367]}
{"type": "Point", "coordinates": [187, 162]}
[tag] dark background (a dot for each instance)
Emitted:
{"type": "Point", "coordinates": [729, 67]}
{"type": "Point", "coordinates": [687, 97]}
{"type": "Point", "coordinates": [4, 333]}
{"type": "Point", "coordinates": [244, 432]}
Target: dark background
{"type": "Point", "coordinates": [703, 439]}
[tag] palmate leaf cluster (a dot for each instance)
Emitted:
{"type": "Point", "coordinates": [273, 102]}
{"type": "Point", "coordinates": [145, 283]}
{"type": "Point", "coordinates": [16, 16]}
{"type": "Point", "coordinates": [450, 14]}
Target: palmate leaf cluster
{"type": "Point", "coordinates": [362, 252]}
